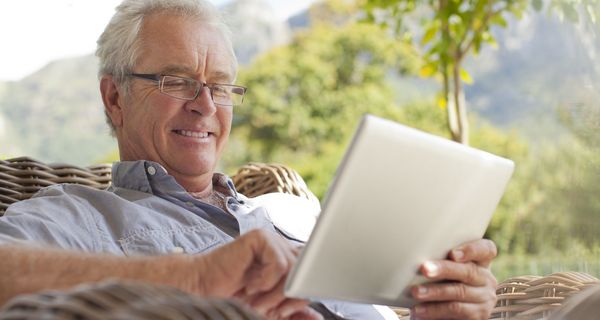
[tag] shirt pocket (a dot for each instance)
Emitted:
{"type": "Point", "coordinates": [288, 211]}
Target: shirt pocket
{"type": "Point", "coordinates": [190, 240]}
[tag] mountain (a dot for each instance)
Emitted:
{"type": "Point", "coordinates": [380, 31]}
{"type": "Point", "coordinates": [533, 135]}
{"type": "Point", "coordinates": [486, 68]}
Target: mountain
{"type": "Point", "coordinates": [541, 64]}
{"type": "Point", "coordinates": [255, 28]}
{"type": "Point", "coordinates": [56, 114]}
{"type": "Point", "coordinates": [299, 20]}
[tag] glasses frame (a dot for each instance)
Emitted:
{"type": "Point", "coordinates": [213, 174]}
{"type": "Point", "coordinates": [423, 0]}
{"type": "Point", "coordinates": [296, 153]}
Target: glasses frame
{"type": "Point", "coordinates": [159, 78]}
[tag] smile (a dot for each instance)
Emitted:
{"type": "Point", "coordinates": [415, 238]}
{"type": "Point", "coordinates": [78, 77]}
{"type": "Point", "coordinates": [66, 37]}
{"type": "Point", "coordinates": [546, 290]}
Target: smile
{"type": "Point", "coordinates": [192, 134]}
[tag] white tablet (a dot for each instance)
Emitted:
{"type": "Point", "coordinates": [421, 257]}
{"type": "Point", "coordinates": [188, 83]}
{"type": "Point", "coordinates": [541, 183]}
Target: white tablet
{"type": "Point", "coordinates": [400, 197]}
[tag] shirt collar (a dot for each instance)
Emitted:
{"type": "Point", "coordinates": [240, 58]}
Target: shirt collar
{"type": "Point", "coordinates": [150, 177]}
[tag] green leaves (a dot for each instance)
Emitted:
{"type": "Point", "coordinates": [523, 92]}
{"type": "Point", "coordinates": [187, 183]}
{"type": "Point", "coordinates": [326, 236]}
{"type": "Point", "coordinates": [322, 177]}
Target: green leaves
{"type": "Point", "coordinates": [569, 11]}
{"type": "Point", "coordinates": [452, 30]}
{"type": "Point", "coordinates": [311, 92]}
{"type": "Point", "coordinates": [431, 32]}
{"type": "Point", "coordinates": [465, 76]}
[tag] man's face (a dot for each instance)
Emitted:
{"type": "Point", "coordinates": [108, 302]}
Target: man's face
{"type": "Point", "coordinates": [186, 137]}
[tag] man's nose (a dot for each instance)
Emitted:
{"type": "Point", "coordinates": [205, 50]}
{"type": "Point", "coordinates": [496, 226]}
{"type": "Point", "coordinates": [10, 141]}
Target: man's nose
{"type": "Point", "coordinates": [203, 104]}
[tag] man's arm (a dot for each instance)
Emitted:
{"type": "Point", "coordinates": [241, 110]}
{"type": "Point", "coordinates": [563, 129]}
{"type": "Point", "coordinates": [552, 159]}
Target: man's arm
{"type": "Point", "coordinates": [257, 262]}
{"type": "Point", "coordinates": [31, 269]}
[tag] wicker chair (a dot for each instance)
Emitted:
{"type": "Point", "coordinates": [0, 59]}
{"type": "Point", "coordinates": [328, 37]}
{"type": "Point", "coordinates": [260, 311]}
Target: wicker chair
{"type": "Point", "coordinates": [525, 297]}
{"type": "Point", "coordinates": [122, 300]}
{"type": "Point", "coordinates": [20, 178]}
{"type": "Point", "coordinates": [533, 297]}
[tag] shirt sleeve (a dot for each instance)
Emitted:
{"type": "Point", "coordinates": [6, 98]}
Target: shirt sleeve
{"type": "Point", "coordinates": [52, 217]}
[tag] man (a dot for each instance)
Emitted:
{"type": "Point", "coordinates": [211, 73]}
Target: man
{"type": "Point", "coordinates": [166, 70]}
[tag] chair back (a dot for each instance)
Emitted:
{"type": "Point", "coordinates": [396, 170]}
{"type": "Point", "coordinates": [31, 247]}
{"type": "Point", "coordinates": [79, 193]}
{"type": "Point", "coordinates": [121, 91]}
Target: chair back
{"type": "Point", "coordinates": [254, 179]}
{"type": "Point", "coordinates": [21, 178]}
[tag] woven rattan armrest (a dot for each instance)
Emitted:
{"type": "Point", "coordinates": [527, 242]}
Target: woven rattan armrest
{"type": "Point", "coordinates": [533, 297]}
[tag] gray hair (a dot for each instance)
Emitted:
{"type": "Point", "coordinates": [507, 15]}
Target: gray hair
{"type": "Point", "coordinates": [119, 45]}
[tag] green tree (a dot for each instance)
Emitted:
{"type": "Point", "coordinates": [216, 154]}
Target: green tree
{"type": "Point", "coordinates": [452, 29]}
{"type": "Point", "coordinates": [305, 98]}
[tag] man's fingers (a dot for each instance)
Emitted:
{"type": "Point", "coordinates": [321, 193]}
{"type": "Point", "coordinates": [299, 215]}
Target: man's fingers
{"type": "Point", "coordinates": [306, 314]}
{"type": "Point", "coordinates": [468, 273]}
{"type": "Point", "coordinates": [451, 310]}
{"type": "Point", "coordinates": [268, 301]}
{"type": "Point", "coordinates": [273, 260]}
{"type": "Point", "coordinates": [481, 251]}
{"type": "Point", "coordinates": [454, 291]}
{"type": "Point", "coordinates": [290, 307]}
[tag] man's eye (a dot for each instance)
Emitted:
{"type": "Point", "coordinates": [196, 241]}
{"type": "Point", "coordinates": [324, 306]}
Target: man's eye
{"type": "Point", "coordinates": [220, 91]}
{"type": "Point", "coordinates": [179, 83]}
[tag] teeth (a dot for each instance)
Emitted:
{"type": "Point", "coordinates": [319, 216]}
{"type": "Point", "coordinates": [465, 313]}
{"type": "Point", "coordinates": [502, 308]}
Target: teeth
{"type": "Point", "coordinates": [193, 134]}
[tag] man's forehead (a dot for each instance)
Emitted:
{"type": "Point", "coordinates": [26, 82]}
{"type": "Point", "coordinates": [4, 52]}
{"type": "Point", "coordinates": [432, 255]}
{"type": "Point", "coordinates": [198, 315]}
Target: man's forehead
{"type": "Point", "coordinates": [212, 62]}
{"type": "Point", "coordinates": [186, 46]}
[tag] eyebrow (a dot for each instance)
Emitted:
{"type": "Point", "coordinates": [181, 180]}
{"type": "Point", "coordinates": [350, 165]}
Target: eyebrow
{"type": "Point", "coordinates": [222, 76]}
{"type": "Point", "coordinates": [218, 75]}
{"type": "Point", "coordinates": [176, 69]}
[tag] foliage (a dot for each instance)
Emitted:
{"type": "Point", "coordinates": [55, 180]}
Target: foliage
{"type": "Point", "coordinates": [454, 30]}
{"type": "Point", "coordinates": [110, 157]}
{"type": "Point", "coordinates": [305, 98]}
{"type": "Point", "coordinates": [573, 11]}
{"type": "Point", "coordinates": [577, 258]}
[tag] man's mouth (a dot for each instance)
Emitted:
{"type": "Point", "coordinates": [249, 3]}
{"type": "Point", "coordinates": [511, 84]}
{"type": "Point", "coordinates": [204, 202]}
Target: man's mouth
{"type": "Point", "coordinates": [193, 134]}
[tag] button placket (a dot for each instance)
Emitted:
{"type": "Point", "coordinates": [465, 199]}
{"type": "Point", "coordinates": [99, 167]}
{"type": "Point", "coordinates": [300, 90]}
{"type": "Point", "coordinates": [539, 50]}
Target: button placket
{"type": "Point", "coordinates": [177, 250]}
{"type": "Point", "coordinates": [151, 170]}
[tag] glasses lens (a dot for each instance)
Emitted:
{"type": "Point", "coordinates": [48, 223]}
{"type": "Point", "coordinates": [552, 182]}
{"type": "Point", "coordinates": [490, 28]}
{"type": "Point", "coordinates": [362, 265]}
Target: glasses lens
{"type": "Point", "coordinates": [179, 87]}
{"type": "Point", "coordinates": [227, 95]}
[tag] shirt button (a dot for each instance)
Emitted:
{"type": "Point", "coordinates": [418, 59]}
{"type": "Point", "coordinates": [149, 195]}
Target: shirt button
{"type": "Point", "coordinates": [151, 171]}
{"type": "Point", "coordinates": [190, 204]}
{"type": "Point", "coordinates": [177, 250]}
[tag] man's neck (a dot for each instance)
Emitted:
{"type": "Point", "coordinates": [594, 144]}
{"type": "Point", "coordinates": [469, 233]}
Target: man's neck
{"type": "Point", "coordinates": [200, 187]}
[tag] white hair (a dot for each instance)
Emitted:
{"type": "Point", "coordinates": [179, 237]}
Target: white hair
{"type": "Point", "coordinates": [119, 46]}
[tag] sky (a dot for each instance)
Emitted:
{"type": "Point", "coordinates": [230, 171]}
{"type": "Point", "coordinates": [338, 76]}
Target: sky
{"type": "Point", "coordinates": [35, 32]}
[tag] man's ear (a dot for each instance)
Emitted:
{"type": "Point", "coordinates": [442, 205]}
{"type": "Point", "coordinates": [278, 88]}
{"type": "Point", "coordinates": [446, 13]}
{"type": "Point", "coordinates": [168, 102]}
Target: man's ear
{"type": "Point", "coordinates": [112, 99]}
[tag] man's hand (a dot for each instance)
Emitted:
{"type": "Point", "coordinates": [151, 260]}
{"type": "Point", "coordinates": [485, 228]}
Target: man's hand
{"type": "Point", "coordinates": [253, 268]}
{"type": "Point", "coordinates": [470, 292]}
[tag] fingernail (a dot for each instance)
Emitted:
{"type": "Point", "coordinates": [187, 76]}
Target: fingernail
{"type": "Point", "coordinates": [419, 310]}
{"type": "Point", "coordinates": [422, 291]}
{"type": "Point", "coordinates": [287, 312]}
{"type": "Point", "coordinates": [250, 291]}
{"type": "Point", "coordinates": [458, 254]}
{"type": "Point", "coordinates": [261, 309]}
{"type": "Point", "coordinates": [431, 268]}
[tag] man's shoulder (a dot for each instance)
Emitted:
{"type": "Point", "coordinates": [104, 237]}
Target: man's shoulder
{"type": "Point", "coordinates": [67, 190]}
{"type": "Point", "coordinates": [60, 193]}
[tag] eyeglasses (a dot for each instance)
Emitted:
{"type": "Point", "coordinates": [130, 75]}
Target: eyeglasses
{"type": "Point", "coordinates": [189, 89]}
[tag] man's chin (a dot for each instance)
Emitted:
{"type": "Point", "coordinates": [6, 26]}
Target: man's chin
{"type": "Point", "coordinates": [194, 168]}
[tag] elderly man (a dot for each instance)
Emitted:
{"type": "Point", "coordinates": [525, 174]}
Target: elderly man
{"type": "Point", "coordinates": [167, 69]}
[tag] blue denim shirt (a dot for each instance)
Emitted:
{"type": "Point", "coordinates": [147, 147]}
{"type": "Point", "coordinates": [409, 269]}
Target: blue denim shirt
{"type": "Point", "coordinates": [146, 212]}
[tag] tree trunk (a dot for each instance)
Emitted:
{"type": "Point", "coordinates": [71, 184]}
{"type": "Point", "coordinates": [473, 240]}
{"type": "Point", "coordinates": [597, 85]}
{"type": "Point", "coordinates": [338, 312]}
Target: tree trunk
{"type": "Point", "coordinates": [451, 105]}
{"type": "Point", "coordinates": [460, 104]}
{"type": "Point", "coordinates": [452, 117]}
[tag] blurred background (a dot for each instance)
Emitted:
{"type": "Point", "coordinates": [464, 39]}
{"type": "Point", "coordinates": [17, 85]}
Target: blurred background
{"type": "Point", "coordinates": [518, 78]}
